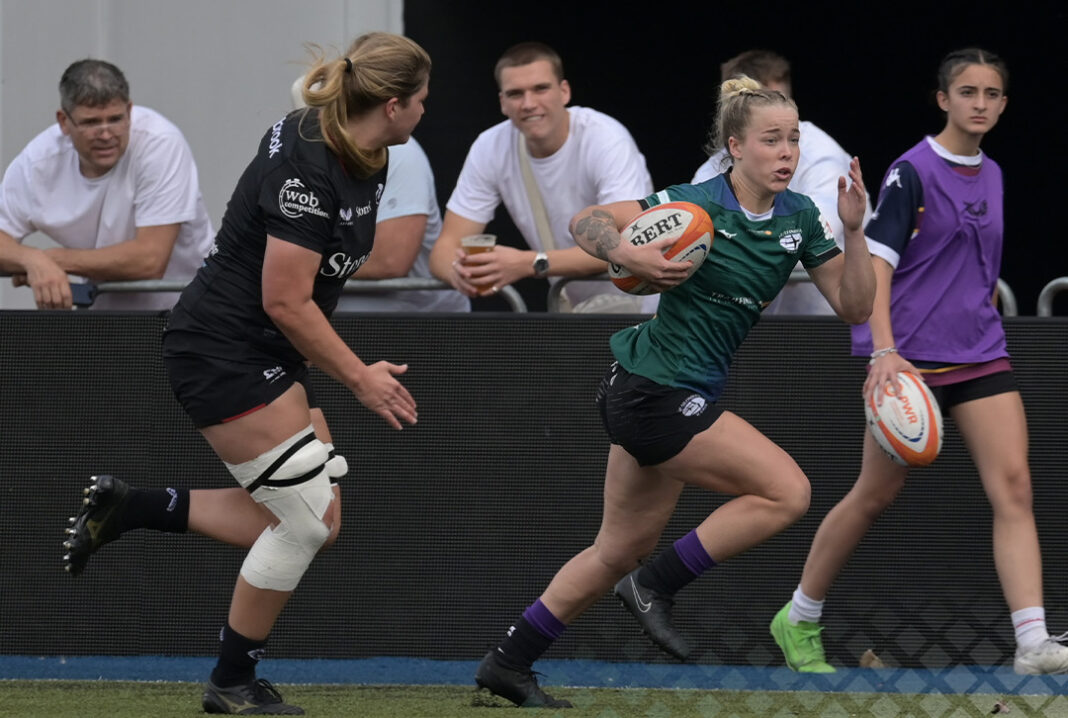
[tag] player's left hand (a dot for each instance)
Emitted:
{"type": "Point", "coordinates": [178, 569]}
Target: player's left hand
{"type": "Point", "coordinates": [648, 262]}
{"type": "Point", "coordinates": [380, 391]}
{"type": "Point", "coordinates": [851, 199]}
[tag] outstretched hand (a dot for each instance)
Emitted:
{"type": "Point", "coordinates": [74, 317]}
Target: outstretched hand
{"type": "Point", "coordinates": [851, 199]}
{"type": "Point", "coordinates": [380, 392]}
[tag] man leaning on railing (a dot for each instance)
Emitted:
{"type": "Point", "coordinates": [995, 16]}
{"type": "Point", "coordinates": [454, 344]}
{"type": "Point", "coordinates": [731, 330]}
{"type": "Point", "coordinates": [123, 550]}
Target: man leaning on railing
{"type": "Point", "coordinates": [115, 186]}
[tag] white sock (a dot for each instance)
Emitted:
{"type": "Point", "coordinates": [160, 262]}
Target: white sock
{"type": "Point", "coordinates": [1030, 626]}
{"type": "Point", "coordinates": [808, 609]}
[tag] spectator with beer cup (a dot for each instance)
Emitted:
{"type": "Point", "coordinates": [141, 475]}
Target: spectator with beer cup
{"type": "Point", "coordinates": [545, 163]}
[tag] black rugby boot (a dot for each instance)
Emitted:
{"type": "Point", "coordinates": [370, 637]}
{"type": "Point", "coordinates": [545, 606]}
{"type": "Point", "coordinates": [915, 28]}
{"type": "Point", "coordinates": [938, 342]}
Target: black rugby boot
{"type": "Point", "coordinates": [653, 611]}
{"type": "Point", "coordinates": [97, 522]}
{"type": "Point", "coordinates": [517, 685]}
{"type": "Point", "coordinates": [255, 698]}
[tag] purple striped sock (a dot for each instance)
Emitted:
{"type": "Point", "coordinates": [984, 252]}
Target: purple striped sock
{"type": "Point", "coordinates": [543, 619]}
{"type": "Point", "coordinates": [693, 554]}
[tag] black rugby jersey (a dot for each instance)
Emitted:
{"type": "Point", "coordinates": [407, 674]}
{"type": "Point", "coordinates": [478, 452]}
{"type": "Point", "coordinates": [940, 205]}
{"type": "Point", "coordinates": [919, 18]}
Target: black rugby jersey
{"type": "Point", "coordinates": [294, 189]}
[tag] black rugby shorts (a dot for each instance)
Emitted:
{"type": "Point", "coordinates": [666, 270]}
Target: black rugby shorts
{"type": "Point", "coordinates": [651, 421]}
{"type": "Point", "coordinates": [213, 390]}
{"type": "Point", "coordinates": [949, 395]}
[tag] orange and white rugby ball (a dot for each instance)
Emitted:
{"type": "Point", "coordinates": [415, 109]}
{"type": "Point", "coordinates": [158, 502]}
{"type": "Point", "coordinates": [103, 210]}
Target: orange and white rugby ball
{"type": "Point", "coordinates": [688, 224]}
{"type": "Point", "coordinates": [907, 425]}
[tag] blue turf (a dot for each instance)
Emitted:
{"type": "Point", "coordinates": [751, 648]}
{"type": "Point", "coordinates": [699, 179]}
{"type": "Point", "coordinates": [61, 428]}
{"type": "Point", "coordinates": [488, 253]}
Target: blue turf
{"type": "Point", "coordinates": [594, 674]}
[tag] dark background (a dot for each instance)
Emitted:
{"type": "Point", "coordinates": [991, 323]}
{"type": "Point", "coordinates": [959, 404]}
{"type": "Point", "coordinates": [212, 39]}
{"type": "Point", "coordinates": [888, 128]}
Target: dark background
{"type": "Point", "coordinates": [452, 527]}
{"type": "Point", "coordinates": [864, 72]}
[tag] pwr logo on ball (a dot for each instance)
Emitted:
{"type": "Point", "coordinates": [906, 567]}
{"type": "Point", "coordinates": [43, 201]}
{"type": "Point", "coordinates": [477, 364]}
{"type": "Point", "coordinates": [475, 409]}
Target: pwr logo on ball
{"type": "Point", "coordinates": [907, 425]}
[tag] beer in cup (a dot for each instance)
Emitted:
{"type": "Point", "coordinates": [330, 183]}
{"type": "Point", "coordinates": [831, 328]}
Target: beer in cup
{"type": "Point", "coordinates": [476, 244]}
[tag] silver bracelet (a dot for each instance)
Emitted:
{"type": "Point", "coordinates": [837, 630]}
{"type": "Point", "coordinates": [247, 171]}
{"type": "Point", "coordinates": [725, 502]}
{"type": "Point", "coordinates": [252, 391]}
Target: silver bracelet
{"type": "Point", "coordinates": [881, 353]}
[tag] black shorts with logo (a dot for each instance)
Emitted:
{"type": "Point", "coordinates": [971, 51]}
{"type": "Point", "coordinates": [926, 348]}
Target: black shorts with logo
{"type": "Point", "coordinates": [213, 390]}
{"type": "Point", "coordinates": [651, 421]}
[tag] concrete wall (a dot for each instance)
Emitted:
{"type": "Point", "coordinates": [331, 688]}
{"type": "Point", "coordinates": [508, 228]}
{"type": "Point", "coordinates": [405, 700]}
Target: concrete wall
{"type": "Point", "coordinates": [219, 69]}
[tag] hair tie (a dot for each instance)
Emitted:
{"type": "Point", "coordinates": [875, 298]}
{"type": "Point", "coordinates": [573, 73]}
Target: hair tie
{"type": "Point", "coordinates": [348, 65]}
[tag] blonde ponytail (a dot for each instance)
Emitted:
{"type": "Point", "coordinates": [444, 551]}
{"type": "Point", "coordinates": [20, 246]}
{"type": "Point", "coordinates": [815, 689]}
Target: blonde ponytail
{"type": "Point", "coordinates": [377, 67]}
{"type": "Point", "coordinates": [737, 98]}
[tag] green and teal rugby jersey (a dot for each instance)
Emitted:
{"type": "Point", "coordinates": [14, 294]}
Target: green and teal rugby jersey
{"type": "Point", "coordinates": [700, 324]}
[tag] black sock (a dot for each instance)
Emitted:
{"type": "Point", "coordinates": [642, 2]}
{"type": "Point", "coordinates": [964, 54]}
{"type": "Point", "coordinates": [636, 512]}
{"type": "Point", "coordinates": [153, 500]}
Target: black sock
{"type": "Point", "coordinates": [238, 657]}
{"type": "Point", "coordinates": [523, 645]}
{"type": "Point", "coordinates": [666, 573]}
{"type": "Point", "coordinates": [159, 509]}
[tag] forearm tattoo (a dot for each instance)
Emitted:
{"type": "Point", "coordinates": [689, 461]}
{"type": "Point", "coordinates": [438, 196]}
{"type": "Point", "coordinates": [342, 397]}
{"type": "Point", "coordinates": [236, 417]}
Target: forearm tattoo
{"type": "Point", "coordinates": [599, 231]}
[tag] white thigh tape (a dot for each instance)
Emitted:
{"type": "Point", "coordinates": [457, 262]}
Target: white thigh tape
{"type": "Point", "coordinates": [294, 460]}
{"type": "Point", "coordinates": [291, 481]}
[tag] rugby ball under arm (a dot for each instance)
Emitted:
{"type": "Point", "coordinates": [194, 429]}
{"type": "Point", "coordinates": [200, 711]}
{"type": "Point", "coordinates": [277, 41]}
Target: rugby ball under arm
{"type": "Point", "coordinates": [687, 223]}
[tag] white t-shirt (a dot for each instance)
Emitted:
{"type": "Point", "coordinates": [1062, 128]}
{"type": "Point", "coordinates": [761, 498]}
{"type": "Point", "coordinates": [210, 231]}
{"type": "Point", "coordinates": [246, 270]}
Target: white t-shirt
{"type": "Point", "coordinates": [154, 182]}
{"type": "Point", "coordinates": [821, 163]}
{"type": "Point", "coordinates": [409, 190]}
{"type": "Point", "coordinates": [598, 163]}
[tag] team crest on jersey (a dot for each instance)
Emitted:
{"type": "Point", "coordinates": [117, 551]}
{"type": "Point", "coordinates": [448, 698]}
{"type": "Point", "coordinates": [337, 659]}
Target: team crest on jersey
{"type": "Point", "coordinates": [295, 200]}
{"type": "Point", "coordinates": [790, 240]}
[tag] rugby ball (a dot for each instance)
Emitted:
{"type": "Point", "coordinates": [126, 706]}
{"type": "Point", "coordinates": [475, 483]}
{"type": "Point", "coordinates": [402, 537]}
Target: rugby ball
{"type": "Point", "coordinates": [908, 425]}
{"type": "Point", "coordinates": [688, 224]}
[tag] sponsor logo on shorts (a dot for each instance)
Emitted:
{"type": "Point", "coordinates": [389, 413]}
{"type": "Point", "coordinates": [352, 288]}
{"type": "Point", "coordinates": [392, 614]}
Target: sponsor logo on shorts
{"type": "Point", "coordinates": [273, 374]}
{"type": "Point", "coordinates": [295, 200]}
{"type": "Point", "coordinates": [694, 405]}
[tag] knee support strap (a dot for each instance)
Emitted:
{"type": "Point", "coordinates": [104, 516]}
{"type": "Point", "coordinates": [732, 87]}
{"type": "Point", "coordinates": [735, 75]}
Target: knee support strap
{"type": "Point", "coordinates": [291, 481]}
{"type": "Point", "coordinates": [336, 466]}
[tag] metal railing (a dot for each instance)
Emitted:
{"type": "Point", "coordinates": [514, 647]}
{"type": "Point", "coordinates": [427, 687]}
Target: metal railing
{"type": "Point", "coordinates": [1006, 297]}
{"type": "Point", "coordinates": [87, 292]}
{"type": "Point", "coordinates": [1045, 297]}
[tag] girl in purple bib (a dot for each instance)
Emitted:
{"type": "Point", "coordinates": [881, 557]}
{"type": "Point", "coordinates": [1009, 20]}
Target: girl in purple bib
{"type": "Point", "coordinates": [935, 240]}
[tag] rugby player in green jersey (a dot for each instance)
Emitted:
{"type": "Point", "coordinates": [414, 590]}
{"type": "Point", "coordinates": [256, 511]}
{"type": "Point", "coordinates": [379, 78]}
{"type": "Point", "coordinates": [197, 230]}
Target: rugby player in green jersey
{"type": "Point", "coordinates": [658, 399]}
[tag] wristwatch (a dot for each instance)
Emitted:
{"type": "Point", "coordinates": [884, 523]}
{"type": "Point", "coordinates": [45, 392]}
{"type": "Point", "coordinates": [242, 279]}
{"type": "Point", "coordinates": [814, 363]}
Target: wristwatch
{"type": "Point", "coordinates": [541, 264]}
